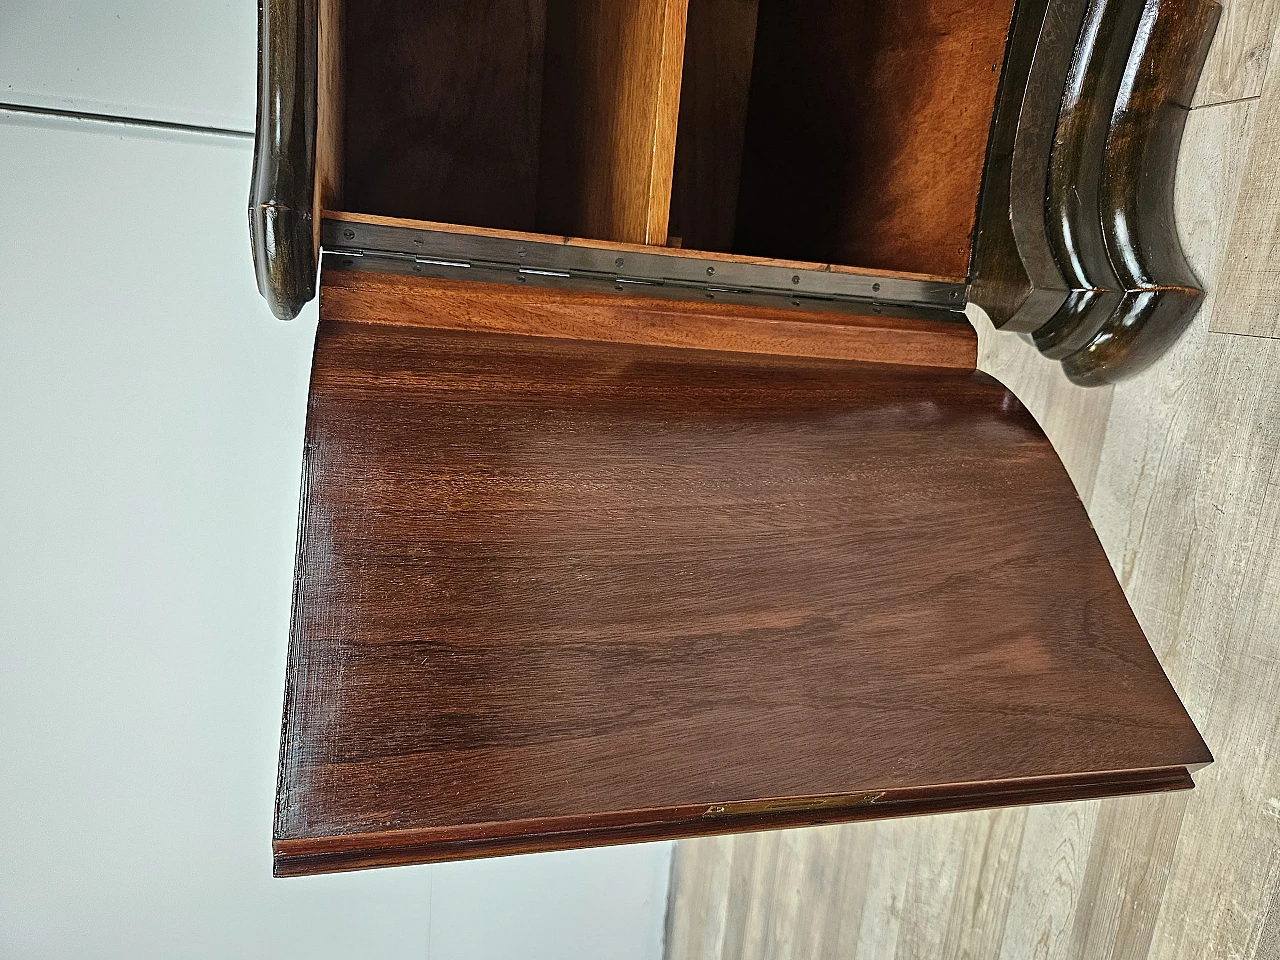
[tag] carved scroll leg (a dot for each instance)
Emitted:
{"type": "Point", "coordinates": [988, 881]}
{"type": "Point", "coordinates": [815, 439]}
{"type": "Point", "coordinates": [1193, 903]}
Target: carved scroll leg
{"type": "Point", "coordinates": [1160, 292]}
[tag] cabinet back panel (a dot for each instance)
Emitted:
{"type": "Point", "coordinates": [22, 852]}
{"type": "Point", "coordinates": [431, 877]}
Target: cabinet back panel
{"type": "Point", "coordinates": [719, 46]}
{"type": "Point", "coordinates": [867, 130]}
{"type": "Point", "coordinates": [443, 109]}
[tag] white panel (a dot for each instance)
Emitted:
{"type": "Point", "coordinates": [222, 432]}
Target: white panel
{"type": "Point", "coordinates": [151, 421]}
{"type": "Point", "coordinates": [183, 61]}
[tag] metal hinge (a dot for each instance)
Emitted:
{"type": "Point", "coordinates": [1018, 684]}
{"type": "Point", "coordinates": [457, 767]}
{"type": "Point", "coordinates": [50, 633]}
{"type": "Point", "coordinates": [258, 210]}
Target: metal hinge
{"type": "Point", "coordinates": [668, 274]}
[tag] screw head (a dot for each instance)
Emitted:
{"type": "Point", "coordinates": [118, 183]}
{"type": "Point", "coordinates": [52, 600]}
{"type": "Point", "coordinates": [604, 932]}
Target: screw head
{"type": "Point", "coordinates": [796, 278]}
{"type": "Point", "coordinates": [349, 234]}
{"type": "Point", "coordinates": [618, 262]}
{"type": "Point", "coordinates": [711, 271]}
{"type": "Point", "coordinates": [875, 288]}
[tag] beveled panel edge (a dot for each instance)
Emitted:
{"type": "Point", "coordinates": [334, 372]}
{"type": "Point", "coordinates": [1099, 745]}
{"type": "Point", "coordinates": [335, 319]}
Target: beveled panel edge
{"type": "Point", "coordinates": [318, 855]}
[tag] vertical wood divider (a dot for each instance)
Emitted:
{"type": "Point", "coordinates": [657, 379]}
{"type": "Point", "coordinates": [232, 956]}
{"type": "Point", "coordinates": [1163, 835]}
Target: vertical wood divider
{"type": "Point", "coordinates": [611, 102]}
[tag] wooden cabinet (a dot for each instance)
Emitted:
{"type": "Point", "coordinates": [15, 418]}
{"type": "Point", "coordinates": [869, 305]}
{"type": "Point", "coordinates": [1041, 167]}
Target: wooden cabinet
{"type": "Point", "coordinates": [650, 489]}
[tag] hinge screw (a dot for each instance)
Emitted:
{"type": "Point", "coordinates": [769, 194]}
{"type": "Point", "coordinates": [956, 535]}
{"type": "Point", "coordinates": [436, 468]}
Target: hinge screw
{"type": "Point", "coordinates": [711, 271]}
{"type": "Point", "coordinates": [349, 234]}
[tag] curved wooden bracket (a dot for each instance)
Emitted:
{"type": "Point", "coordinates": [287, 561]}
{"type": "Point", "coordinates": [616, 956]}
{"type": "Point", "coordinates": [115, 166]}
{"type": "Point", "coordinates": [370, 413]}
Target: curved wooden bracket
{"type": "Point", "coordinates": [282, 222]}
{"type": "Point", "coordinates": [1076, 240]}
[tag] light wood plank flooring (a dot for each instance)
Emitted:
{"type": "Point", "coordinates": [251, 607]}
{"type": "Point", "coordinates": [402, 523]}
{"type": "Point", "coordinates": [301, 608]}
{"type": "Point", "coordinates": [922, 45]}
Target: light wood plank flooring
{"type": "Point", "coordinates": [1180, 468]}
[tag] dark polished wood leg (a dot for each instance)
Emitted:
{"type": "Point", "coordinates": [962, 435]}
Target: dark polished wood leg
{"type": "Point", "coordinates": [1077, 244]}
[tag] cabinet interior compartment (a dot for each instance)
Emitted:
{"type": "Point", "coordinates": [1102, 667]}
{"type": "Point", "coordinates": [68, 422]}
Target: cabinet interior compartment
{"type": "Point", "coordinates": [842, 132]}
{"type": "Point", "coordinates": [850, 132]}
{"type": "Point", "coordinates": [549, 116]}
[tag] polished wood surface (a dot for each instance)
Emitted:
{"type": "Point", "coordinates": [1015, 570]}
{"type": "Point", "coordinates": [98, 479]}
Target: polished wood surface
{"type": "Point", "coordinates": [1017, 279]}
{"type": "Point", "coordinates": [719, 49]}
{"type": "Point", "coordinates": [1185, 504]}
{"type": "Point", "coordinates": [867, 129]}
{"type": "Point", "coordinates": [609, 118]}
{"type": "Point", "coordinates": [282, 233]}
{"type": "Point", "coordinates": [1075, 176]}
{"type": "Point", "coordinates": [1078, 245]}
{"type": "Point", "coordinates": [558, 585]}
{"type": "Point", "coordinates": [330, 111]}
{"type": "Point", "coordinates": [398, 847]}
{"type": "Point", "coordinates": [443, 109]}
{"type": "Point", "coordinates": [1161, 292]}
{"type": "Point", "coordinates": [616, 318]}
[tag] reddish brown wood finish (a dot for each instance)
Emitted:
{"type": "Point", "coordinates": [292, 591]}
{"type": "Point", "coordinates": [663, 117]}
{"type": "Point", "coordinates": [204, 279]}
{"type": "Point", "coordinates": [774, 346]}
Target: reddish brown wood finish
{"type": "Point", "coordinates": [398, 847]}
{"type": "Point", "coordinates": [614, 318]}
{"type": "Point", "coordinates": [554, 593]}
{"type": "Point", "coordinates": [867, 129]}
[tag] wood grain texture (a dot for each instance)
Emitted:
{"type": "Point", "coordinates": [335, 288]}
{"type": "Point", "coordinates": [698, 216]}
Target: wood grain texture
{"type": "Point", "coordinates": [438, 127]}
{"type": "Point", "coordinates": [466, 305]}
{"type": "Point", "coordinates": [641, 582]}
{"type": "Point", "coordinates": [1188, 506]}
{"type": "Point", "coordinates": [1249, 298]}
{"type": "Point", "coordinates": [610, 110]}
{"type": "Point", "coordinates": [1241, 52]}
{"type": "Point", "coordinates": [330, 112]}
{"type": "Point", "coordinates": [867, 131]}
{"type": "Point", "coordinates": [1186, 503]}
{"type": "Point", "coordinates": [1073, 417]}
{"type": "Point", "coordinates": [1073, 204]}
{"type": "Point", "coordinates": [719, 49]}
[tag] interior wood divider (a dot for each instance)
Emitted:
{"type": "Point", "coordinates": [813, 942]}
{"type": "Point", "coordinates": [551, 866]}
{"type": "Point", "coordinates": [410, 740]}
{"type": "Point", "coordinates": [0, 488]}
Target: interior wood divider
{"type": "Point", "coordinates": [611, 103]}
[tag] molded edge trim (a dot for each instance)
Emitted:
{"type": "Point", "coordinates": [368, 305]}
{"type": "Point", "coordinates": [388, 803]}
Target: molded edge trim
{"type": "Point", "coordinates": [1122, 291]}
{"type": "Point", "coordinates": [282, 233]}
{"type": "Point", "coordinates": [315, 855]}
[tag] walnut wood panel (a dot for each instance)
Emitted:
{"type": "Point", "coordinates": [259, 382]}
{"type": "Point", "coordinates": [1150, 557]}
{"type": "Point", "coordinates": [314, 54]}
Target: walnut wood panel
{"type": "Point", "coordinates": [720, 40]}
{"type": "Point", "coordinates": [867, 130]}
{"type": "Point", "coordinates": [611, 100]}
{"type": "Point", "coordinates": [615, 318]}
{"type": "Point", "coordinates": [548, 585]}
{"type": "Point", "coordinates": [443, 109]}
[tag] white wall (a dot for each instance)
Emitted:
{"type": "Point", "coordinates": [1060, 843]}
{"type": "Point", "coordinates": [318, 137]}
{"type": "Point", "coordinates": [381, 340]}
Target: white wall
{"type": "Point", "coordinates": [185, 61]}
{"type": "Point", "coordinates": [151, 418]}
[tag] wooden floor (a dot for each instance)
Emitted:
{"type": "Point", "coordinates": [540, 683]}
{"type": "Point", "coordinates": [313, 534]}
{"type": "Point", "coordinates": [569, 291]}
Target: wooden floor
{"type": "Point", "coordinates": [1180, 469]}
